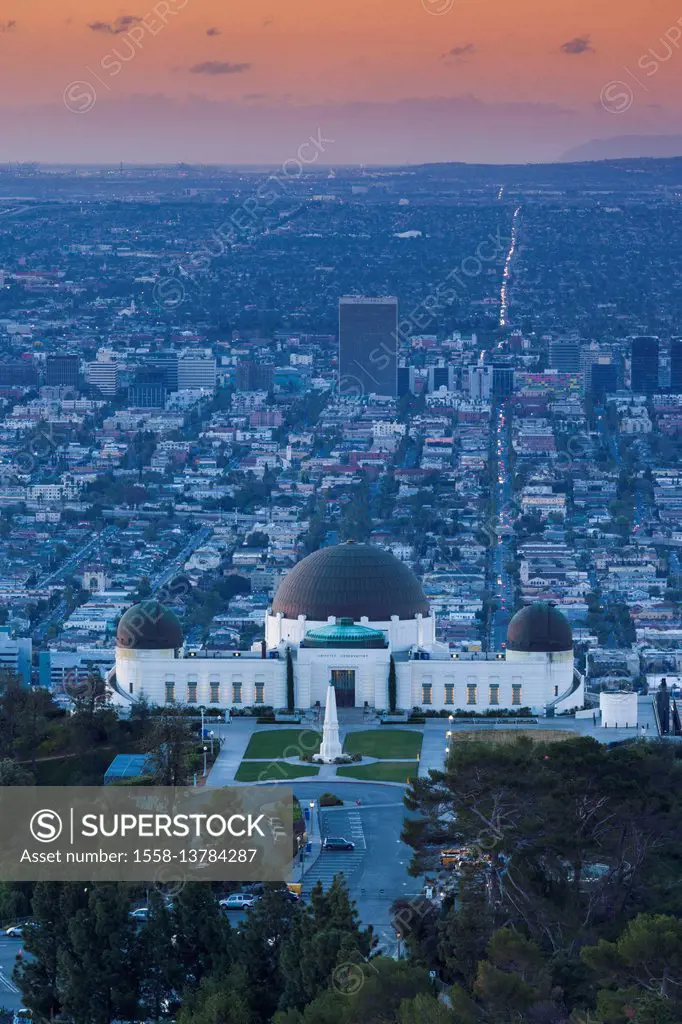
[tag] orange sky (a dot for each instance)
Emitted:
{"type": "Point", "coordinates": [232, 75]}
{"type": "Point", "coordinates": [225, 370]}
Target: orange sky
{"type": "Point", "coordinates": [509, 91]}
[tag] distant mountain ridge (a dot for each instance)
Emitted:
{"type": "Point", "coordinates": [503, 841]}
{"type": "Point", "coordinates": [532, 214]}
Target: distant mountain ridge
{"type": "Point", "coordinates": [624, 147]}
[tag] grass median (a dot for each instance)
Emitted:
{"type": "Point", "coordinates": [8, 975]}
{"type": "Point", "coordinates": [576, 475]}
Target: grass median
{"type": "Point", "coordinates": [259, 771]}
{"type": "Point", "coordinates": [283, 743]}
{"type": "Point", "coordinates": [391, 745]}
{"type": "Point", "coordinates": [392, 771]}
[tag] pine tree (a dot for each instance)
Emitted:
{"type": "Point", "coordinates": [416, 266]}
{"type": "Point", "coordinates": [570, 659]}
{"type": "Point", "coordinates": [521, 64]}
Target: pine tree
{"type": "Point", "coordinates": [268, 926]}
{"type": "Point", "coordinates": [326, 926]}
{"type": "Point", "coordinates": [170, 741]}
{"type": "Point", "coordinates": [203, 939]}
{"type": "Point", "coordinates": [12, 774]}
{"type": "Point", "coordinates": [291, 697]}
{"type": "Point", "coordinates": [38, 974]}
{"type": "Point", "coordinates": [162, 976]}
{"type": "Point", "coordinates": [392, 687]}
{"type": "Point", "coordinates": [220, 1000]}
{"type": "Point", "coordinates": [97, 971]}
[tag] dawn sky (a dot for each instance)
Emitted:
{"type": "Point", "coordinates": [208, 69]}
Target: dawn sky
{"type": "Point", "coordinates": [386, 80]}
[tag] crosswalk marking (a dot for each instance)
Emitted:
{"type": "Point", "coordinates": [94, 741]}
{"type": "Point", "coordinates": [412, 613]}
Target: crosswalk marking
{"type": "Point", "coordinates": [334, 862]}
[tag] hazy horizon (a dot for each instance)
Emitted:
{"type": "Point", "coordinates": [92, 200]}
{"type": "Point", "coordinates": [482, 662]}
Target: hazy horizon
{"type": "Point", "coordinates": [404, 82]}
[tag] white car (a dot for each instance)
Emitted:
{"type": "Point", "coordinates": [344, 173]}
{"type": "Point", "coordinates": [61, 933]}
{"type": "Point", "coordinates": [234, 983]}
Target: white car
{"type": "Point", "coordinates": [15, 932]}
{"type": "Point", "coordinates": [22, 1015]}
{"type": "Point", "coordinates": [239, 901]}
{"type": "Point", "coordinates": [141, 914]}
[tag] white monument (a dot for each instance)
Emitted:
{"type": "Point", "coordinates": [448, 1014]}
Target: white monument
{"type": "Point", "coordinates": [331, 744]}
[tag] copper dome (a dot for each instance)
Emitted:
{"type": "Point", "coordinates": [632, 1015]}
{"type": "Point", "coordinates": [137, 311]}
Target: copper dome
{"type": "Point", "coordinates": [350, 580]}
{"type": "Point", "coordinates": [149, 626]}
{"type": "Point", "coordinates": [539, 628]}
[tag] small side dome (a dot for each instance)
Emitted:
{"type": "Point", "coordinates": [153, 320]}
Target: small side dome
{"type": "Point", "coordinates": [539, 628]}
{"type": "Point", "coordinates": [149, 626]}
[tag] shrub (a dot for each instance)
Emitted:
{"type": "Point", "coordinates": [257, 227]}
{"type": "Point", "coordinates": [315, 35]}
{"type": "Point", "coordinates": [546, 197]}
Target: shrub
{"type": "Point", "coordinates": [356, 757]}
{"type": "Point", "coordinates": [306, 757]}
{"type": "Point", "coordinates": [330, 800]}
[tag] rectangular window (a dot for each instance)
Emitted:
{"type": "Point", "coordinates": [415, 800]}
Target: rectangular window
{"type": "Point", "coordinates": [427, 689]}
{"type": "Point", "coordinates": [494, 695]}
{"type": "Point", "coordinates": [471, 693]}
{"type": "Point", "coordinates": [215, 691]}
{"type": "Point", "coordinates": [237, 693]}
{"type": "Point", "coordinates": [259, 693]}
{"type": "Point", "coordinates": [170, 691]}
{"type": "Point", "coordinates": [449, 693]}
{"type": "Point", "coordinates": [191, 692]}
{"type": "Point", "coordinates": [516, 695]}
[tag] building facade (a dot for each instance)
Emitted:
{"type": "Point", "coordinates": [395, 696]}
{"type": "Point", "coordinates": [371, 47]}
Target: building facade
{"type": "Point", "coordinates": [645, 366]}
{"type": "Point", "coordinates": [368, 346]}
{"type": "Point", "coordinates": [342, 615]}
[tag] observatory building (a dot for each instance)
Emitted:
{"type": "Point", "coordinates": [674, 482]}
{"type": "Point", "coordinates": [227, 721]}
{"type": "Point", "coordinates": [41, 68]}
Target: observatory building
{"type": "Point", "coordinates": [341, 616]}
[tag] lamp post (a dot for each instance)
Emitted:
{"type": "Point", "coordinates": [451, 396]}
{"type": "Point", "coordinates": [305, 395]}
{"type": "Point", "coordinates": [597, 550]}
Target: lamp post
{"type": "Point", "coordinates": [399, 936]}
{"type": "Point", "coordinates": [202, 709]}
{"type": "Point", "coordinates": [312, 819]}
{"type": "Point", "coordinates": [205, 753]}
{"type": "Point", "coordinates": [211, 735]}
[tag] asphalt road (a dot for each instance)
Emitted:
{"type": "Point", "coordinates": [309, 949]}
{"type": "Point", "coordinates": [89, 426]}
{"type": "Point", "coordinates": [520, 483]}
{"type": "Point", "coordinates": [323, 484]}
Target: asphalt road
{"type": "Point", "coordinates": [502, 584]}
{"type": "Point", "coordinates": [10, 998]}
{"type": "Point", "coordinates": [72, 561]}
{"type": "Point", "coordinates": [376, 871]}
{"type": "Point", "coordinates": [174, 568]}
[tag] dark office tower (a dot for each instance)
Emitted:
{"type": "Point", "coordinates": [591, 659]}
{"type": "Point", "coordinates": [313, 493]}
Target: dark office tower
{"type": "Point", "coordinates": [644, 372]}
{"type": "Point", "coordinates": [254, 376]}
{"type": "Point", "coordinates": [165, 365]}
{"type": "Point", "coordinates": [603, 380]}
{"type": "Point", "coordinates": [564, 355]}
{"type": "Point", "coordinates": [405, 380]}
{"type": "Point", "coordinates": [676, 366]}
{"type": "Point", "coordinates": [20, 372]}
{"type": "Point", "coordinates": [503, 381]}
{"type": "Point", "coordinates": [368, 346]}
{"type": "Point", "coordinates": [62, 371]}
{"type": "Point", "coordinates": [440, 376]}
{"type": "Point", "coordinates": [148, 391]}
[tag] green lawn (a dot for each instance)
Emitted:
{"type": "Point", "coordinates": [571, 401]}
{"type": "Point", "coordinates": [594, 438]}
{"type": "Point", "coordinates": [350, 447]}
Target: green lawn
{"type": "Point", "coordinates": [392, 771]}
{"type": "Point", "coordinates": [283, 743]}
{"type": "Point", "coordinates": [259, 771]}
{"type": "Point", "coordinates": [390, 744]}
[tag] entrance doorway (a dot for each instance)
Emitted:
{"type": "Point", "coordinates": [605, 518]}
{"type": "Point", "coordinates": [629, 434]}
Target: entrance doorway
{"type": "Point", "coordinates": [343, 681]}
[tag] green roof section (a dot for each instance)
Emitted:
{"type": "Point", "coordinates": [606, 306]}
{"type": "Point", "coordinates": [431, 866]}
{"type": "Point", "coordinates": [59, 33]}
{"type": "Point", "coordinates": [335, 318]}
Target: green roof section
{"type": "Point", "coordinates": [344, 633]}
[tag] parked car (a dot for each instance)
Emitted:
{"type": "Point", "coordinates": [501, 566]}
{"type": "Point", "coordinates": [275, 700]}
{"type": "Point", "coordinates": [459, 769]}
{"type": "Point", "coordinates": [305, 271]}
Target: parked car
{"type": "Point", "coordinates": [15, 932]}
{"type": "Point", "coordinates": [277, 829]}
{"type": "Point", "coordinates": [337, 843]}
{"type": "Point", "coordinates": [141, 914]}
{"type": "Point", "coordinates": [22, 1016]}
{"type": "Point", "coordinates": [239, 901]}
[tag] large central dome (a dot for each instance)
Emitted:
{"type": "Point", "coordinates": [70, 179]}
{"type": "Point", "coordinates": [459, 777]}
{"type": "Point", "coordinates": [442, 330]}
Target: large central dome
{"type": "Point", "coordinates": [350, 580]}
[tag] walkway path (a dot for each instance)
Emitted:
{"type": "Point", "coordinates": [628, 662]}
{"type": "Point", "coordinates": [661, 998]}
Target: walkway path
{"type": "Point", "coordinates": [235, 739]}
{"type": "Point", "coordinates": [433, 746]}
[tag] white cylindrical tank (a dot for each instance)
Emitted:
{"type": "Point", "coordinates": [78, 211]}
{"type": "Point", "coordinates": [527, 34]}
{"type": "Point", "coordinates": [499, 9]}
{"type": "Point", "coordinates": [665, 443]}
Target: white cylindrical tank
{"type": "Point", "coordinates": [618, 710]}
